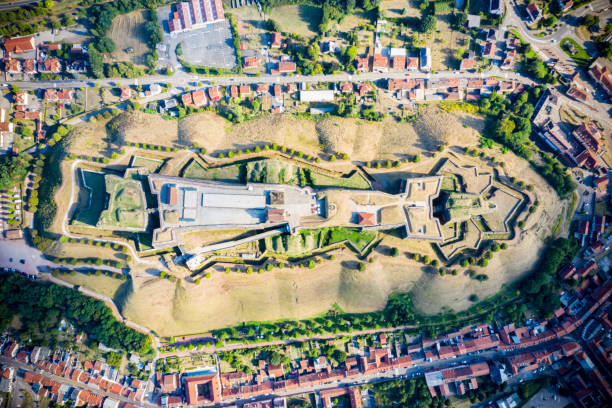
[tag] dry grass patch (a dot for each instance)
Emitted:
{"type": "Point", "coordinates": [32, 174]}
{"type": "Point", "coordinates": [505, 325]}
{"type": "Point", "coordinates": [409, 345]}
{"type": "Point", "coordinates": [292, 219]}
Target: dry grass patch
{"type": "Point", "coordinates": [90, 139]}
{"type": "Point", "coordinates": [128, 31]}
{"type": "Point", "coordinates": [103, 285]}
{"type": "Point", "coordinates": [140, 127]}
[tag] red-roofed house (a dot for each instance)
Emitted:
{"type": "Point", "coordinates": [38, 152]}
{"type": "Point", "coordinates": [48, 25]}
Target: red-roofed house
{"type": "Point", "coordinates": [276, 40]}
{"type": "Point", "coordinates": [213, 94]}
{"type": "Point", "coordinates": [51, 65]}
{"type": "Point", "coordinates": [203, 389]}
{"type": "Point", "coordinates": [398, 62]}
{"type": "Point", "coordinates": [601, 73]}
{"type": "Point", "coordinates": [412, 63]}
{"type": "Point", "coordinates": [12, 66]}
{"type": "Point", "coordinates": [380, 63]}
{"type": "Point", "coordinates": [19, 45]}
{"type": "Point", "coordinates": [250, 62]}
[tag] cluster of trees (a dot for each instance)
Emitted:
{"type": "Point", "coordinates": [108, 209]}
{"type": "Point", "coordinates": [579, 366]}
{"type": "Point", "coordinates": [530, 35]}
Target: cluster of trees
{"type": "Point", "coordinates": [16, 22]}
{"type": "Point", "coordinates": [409, 393]}
{"type": "Point", "coordinates": [541, 285]}
{"type": "Point", "coordinates": [508, 122]}
{"type": "Point", "coordinates": [40, 307]}
{"type": "Point", "coordinates": [557, 175]}
{"type": "Point", "coordinates": [101, 17]}
{"type": "Point", "coordinates": [13, 170]}
{"type": "Point", "coordinates": [236, 40]}
{"type": "Point", "coordinates": [52, 174]}
{"type": "Point", "coordinates": [605, 47]}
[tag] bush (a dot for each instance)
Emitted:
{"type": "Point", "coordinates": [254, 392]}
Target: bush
{"type": "Point", "coordinates": [362, 266]}
{"type": "Point", "coordinates": [394, 252]}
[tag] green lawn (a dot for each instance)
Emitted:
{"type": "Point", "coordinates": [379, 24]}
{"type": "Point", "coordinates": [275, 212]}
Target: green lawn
{"type": "Point", "coordinates": [355, 181]}
{"type": "Point", "coordinates": [151, 164]}
{"type": "Point", "coordinates": [125, 204]}
{"type": "Point", "coordinates": [230, 173]}
{"type": "Point", "coordinates": [359, 239]}
{"type": "Point", "coordinates": [575, 51]}
{"type": "Point", "coordinates": [273, 172]}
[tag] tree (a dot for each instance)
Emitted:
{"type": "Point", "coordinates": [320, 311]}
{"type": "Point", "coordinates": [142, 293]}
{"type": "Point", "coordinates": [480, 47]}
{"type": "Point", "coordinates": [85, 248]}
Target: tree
{"type": "Point", "coordinates": [362, 266]}
{"type": "Point", "coordinates": [274, 26]}
{"type": "Point", "coordinates": [351, 54]}
{"type": "Point", "coordinates": [96, 64]}
{"type": "Point", "coordinates": [114, 359]}
{"type": "Point", "coordinates": [313, 51]}
{"type": "Point", "coordinates": [428, 24]}
{"type": "Point", "coordinates": [394, 252]}
{"type": "Point", "coordinates": [105, 45]}
{"type": "Point", "coordinates": [590, 20]}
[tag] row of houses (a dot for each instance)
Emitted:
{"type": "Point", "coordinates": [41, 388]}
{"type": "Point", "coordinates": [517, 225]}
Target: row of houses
{"type": "Point", "coordinates": [39, 61]}
{"type": "Point", "coordinates": [452, 89]}
{"type": "Point", "coordinates": [93, 375]}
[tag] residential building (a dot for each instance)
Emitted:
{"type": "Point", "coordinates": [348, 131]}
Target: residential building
{"type": "Point", "coordinates": [533, 11]}
{"type": "Point", "coordinates": [317, 96]}
{"type": "Point", "coordinates": [589, 136]}
{"type": "Point", "coordinates": [425, 59]}
{"type": "Point", "coordinates": [601, 72]}
{"type": "Point", "coordinates": [496, 7]}
{"type": "Point", "coordinates": [214, 94]}
{"type": "Point", "coordinates": [275, 41]}
{"type": "Point", "coordinates": [250, 62]}
{"type": "Point", "coordinates": [51, 65]}
{"type": "Point", "coordinates": [473, 21]}
{"type": "Point", "coordinates": [12, 66]}
{"type": "Point", "coordinates": [565, 5]}
{"type": "Point", "coordinates": [29, 66]}
{"type": "Point", "coordinates": [19, 45]}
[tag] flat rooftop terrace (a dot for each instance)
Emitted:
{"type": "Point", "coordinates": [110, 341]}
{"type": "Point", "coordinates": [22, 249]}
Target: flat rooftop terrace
{"type": "Point", "coordinates": [186, 203]}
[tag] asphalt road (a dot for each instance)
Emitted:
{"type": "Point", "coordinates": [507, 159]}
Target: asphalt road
{"type": "Point", "coordinates": [181, 79]}
{"type": "Point", "coordinates": [16, 4]}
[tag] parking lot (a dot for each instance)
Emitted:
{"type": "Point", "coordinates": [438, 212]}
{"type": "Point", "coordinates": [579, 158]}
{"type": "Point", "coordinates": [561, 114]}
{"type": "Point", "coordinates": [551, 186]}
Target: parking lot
{"type": "Point", "coordinates": [209, 46]}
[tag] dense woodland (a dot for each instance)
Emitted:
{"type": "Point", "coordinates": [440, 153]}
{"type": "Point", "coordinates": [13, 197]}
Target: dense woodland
{"type": "Point", "coordinates": [40, 308]}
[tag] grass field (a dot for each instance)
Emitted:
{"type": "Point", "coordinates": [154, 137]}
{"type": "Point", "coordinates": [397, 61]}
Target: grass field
{"type": "Point", "coordinates": [356, 181]}
{"type": "Point", "coordinates": [271, 171]}
{"type": "Point", "coordinates": [575, 51]}
{"type": "Point", "coordinates": [125, 205]}
{"type": "Point", "coordinates": [127, 31]}
{"type": "Point", "coordinates": [229, 173]}
{"type": "Point", "coordinates": [150, 164]}
{"type": "Point", "coordinates": [300, 19]}
{"type": "Point", "coordinates": [103, 285]}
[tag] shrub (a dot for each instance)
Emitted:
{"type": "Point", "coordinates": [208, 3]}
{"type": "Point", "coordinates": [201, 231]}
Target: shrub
{"type": "Point", "coordinates": [473, 298]}
{"type": "Point", "coordinates": [394, 252]}
{"type": "Point", "coordinates": [249, 270]}
{"type": "Point", "coordinates": [362, 266]}
{"type": "Point", "coordinates": [227, 269]}
{"type": "Point", "coordinates": [269, 267]}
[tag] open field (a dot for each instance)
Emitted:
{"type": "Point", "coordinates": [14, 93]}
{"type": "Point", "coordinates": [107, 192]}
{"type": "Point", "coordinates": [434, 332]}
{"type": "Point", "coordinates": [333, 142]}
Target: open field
{"type": "Point", "coordinates": [125, 204]}
{"type": "Point", "coordinates": [360, 140]}
{"type": "Point", "coordinates": [300, 19]}
{"type": "Point", "coordinates": [103, 285]}
{"type": "Point", "coordinates": [90, 139]}
{"type": "Point", "coordinates": [127, 31]}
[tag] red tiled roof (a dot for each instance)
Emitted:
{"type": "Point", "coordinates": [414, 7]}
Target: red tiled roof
{"type": "Point", "coordinates": [19, 45]}
{"type": "Point", "coordinates": [286, 66]}
{"type": "Point", "coordinates": [207, 384]}
{"type": "Point", "coordinates": [213, 94]}
{"type": "Point", "coordinates": [366, 219]}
